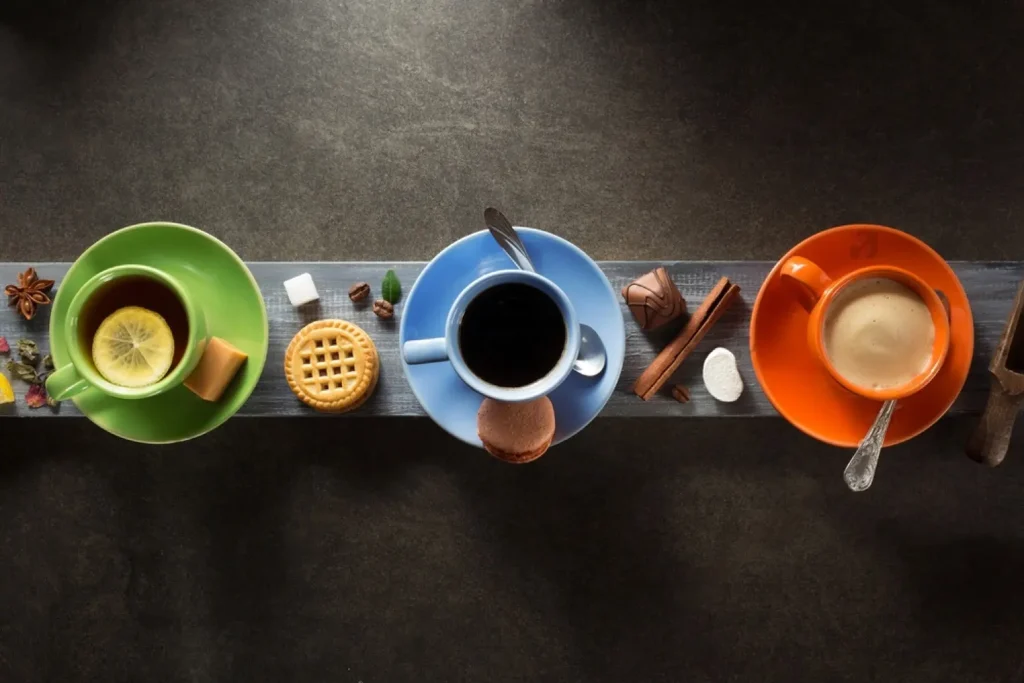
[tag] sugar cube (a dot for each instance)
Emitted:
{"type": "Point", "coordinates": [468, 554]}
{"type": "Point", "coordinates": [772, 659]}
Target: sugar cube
{"type": "Point", "coordinates": [301, 289]}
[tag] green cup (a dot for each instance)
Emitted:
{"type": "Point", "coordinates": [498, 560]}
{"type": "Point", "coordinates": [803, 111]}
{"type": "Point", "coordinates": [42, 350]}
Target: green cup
{"type": "Point", "coordinates": [81, 374]}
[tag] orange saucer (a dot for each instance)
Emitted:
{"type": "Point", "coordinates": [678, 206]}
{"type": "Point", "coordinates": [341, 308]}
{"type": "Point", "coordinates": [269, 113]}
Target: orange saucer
{"type": "Point", "coordinates": [795, 380]}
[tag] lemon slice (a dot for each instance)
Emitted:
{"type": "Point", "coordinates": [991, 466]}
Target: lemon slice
{"type": "Point", "coordinates": [133, 347]}
{"type": "Point", "coordinates": [6, 391]}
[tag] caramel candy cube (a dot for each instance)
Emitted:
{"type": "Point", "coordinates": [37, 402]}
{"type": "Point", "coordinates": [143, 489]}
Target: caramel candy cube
{"type": "Point", "coordinates": [216, 369]}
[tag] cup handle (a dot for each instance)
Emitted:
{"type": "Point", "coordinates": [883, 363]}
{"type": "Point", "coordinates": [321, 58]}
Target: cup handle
{"type": "Point", "coordinates": [425, 351]}
{"type": "Point", "coordinates": [811, 279]}
{"type": "Point", "coordinates": [65, 382]}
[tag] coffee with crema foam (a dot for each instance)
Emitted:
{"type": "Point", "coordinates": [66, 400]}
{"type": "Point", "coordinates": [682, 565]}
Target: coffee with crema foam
{"type": "Point", "coordinates": [878, 333]}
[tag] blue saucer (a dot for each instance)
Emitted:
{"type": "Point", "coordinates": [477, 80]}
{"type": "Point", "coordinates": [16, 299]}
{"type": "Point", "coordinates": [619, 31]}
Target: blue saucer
{"type": "Point", "coordinates": [445, 397]}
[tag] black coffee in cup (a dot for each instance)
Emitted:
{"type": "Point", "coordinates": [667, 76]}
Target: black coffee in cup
{"type": "Point", "coordinates": [512, 335]}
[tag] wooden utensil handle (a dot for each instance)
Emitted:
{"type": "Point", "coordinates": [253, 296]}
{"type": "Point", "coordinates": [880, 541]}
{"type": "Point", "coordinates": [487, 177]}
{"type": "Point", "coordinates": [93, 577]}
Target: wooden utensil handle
{"type": "Point", "coordinates": [991, 438]}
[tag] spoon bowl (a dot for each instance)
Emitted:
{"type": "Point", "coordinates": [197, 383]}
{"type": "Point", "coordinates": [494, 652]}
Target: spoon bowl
{"type": "Point", "coordinates": [591, 359]}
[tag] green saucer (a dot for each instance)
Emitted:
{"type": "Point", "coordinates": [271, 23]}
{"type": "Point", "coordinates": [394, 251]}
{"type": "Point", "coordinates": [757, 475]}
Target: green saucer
{"type": "Point", "coordinates": [234, 310]}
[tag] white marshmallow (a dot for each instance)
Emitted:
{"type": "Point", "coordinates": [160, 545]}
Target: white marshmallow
{"type": "Point", "coordinates": [301, 289]}
{"type": "Point", "coordinates": [721, 376]}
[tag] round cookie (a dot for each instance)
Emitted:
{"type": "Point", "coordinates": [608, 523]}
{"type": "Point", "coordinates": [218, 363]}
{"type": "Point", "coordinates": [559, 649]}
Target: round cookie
{"type": "Point", "coordinates": [516, 432]}
{"type": "Point", "coordinates": [332, 365]}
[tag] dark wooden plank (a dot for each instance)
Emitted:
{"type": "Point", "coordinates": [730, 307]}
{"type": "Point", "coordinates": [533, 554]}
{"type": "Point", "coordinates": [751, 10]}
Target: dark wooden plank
{"type": "Point", "coordinates": [990, 287]}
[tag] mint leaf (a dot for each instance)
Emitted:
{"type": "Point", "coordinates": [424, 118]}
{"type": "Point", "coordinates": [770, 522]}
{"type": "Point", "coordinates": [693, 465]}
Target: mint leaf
{"type": "Point", "coordinates": [28, 350]}
{"type": "Point", "coordinates": [23, 371]}
{"type": "Point", "coordinates": [391, 288]}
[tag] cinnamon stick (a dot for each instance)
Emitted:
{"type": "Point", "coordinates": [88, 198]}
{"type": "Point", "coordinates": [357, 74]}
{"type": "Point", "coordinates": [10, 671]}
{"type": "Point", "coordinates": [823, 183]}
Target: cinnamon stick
{"type": "Point", "coordinates": [672, 356]}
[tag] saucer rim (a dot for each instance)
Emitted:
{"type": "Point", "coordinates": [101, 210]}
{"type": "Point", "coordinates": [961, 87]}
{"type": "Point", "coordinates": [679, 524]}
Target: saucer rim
{"type": "Point", "coordinates": [825, 234]}
{"type": "Point", "coordinates": [609, 367]}
{"type": "Point", "coordinates": [252, 281]}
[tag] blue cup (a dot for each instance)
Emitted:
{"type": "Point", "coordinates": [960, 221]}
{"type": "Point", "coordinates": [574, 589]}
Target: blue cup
{"type": "Point", "coordinates": [446, 348]}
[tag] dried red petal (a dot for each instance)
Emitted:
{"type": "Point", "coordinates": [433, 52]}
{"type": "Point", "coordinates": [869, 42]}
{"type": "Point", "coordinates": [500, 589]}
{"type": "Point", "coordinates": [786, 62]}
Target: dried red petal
{"type": "Point", "coordinates": [4, 346]}
{"type": "Point", "coordinates": [35, 397]}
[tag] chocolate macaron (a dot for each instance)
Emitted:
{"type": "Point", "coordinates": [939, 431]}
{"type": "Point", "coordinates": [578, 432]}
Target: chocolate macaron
{"type": "Point", "coordinates": [516, 432]}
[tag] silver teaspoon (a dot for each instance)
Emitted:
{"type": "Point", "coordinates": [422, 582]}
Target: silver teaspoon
{"type": "Point", "coordinates": [590, 360]}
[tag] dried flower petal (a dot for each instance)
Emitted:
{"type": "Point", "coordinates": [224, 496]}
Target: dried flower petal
{"type": "Point", "coordinates": [24, 372]}
{"type": "Point", "coordinates": [4, 346]}
{"type": "Point", "coordinates": [36, 397]}
{"type": "Point", "coordinates": [28, 350]}
{"type": "Point", "coordinates": [48, 362]}
{"type": "Point", "coordinates": [42, 383]}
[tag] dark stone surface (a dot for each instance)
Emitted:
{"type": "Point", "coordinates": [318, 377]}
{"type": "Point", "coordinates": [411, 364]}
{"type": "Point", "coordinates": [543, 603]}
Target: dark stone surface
{"type": "Point", "coordinates": [382, 551]}
{"type": "Point", "coordinates": [350, 130]}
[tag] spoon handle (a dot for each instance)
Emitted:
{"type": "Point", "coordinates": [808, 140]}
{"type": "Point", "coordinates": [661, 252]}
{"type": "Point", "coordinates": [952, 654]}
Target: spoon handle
{"type": "Point", "coordinates": [859, 474]}
{"type": "Point", "coordinates": [506, 236]}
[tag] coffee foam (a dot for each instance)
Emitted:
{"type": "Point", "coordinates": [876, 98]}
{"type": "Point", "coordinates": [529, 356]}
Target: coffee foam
{"type": "Point", "coordinates": [878, 333]}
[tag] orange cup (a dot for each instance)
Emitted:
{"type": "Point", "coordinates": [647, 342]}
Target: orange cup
{"type": "Point", "coordinates": [818, 292]}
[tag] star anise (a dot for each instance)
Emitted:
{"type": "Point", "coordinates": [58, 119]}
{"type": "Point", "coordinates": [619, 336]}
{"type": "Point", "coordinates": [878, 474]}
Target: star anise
{"type": "Point", "coordinates": [29, 294]}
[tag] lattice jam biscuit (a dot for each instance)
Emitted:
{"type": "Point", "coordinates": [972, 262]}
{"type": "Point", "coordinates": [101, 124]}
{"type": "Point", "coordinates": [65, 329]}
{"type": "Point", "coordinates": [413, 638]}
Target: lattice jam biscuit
{"type": "Point", "coordinates": [332, 365]}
